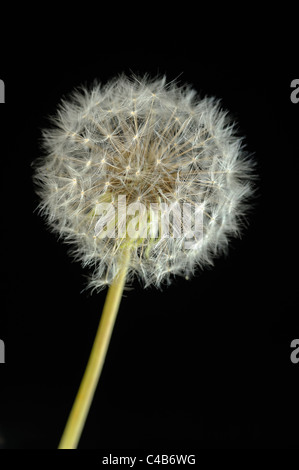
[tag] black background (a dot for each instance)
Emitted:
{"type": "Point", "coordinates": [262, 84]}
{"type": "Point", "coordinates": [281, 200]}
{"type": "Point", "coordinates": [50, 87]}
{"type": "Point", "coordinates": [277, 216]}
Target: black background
{"type": "Point", "coordinates": [204, 363]}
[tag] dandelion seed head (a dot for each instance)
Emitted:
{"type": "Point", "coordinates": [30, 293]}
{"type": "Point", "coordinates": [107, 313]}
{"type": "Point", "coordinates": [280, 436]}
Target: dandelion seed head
{"type": "Point", "coordinates": [152, 142]}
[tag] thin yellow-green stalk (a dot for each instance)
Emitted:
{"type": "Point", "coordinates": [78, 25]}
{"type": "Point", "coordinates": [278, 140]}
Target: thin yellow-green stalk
{"type": "Point", "coordinates": [80, 409]}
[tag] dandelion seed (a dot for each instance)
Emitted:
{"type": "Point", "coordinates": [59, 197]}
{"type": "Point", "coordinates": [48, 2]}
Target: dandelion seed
{"type": "Point", "coordinates": [205, 166]}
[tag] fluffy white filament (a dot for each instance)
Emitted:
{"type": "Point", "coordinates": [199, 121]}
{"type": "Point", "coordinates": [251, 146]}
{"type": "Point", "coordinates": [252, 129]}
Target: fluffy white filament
{"type": "Point", "coordinates": [150, 143]}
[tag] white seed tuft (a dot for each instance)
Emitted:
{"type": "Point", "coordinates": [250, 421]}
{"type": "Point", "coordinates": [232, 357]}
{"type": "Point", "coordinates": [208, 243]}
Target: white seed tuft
{"type": "Point", "coordinates": [145, 141]}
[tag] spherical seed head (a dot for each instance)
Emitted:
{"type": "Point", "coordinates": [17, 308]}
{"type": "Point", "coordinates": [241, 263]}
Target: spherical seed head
{"type": "Point", "coordinates": [143, 165]}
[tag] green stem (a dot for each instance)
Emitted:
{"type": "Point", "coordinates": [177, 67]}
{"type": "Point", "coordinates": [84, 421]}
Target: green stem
{"type": "Point", "coordinates": [81, 406]}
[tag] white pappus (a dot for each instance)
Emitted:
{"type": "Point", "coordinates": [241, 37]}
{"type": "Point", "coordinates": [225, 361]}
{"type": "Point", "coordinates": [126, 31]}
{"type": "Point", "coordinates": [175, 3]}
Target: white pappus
{"type": "Point", "coordinates": [148, 142]}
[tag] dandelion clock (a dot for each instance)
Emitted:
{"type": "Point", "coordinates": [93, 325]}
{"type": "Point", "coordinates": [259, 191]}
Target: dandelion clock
{"type": "Point", "coordinates": [143, 179]}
